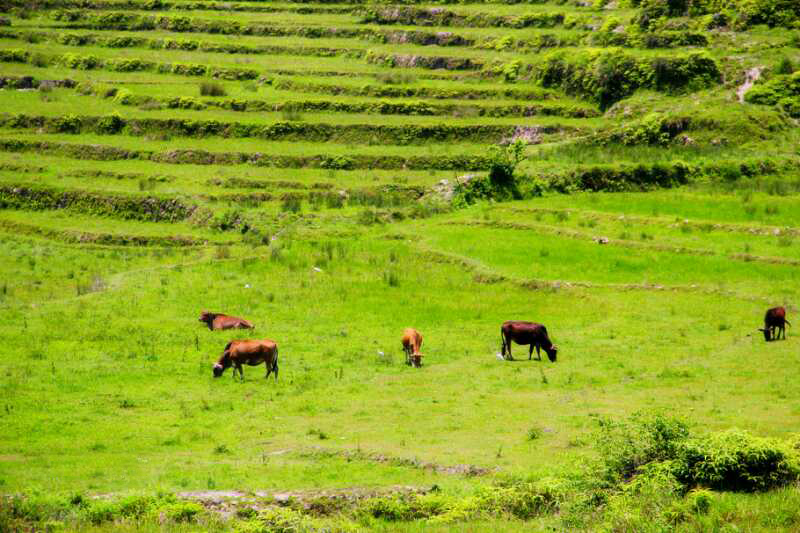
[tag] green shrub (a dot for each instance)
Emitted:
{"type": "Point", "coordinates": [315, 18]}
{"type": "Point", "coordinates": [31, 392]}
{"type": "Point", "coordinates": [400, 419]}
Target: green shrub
{"type": "Point", "coordinates": [735, 460]}
{"type": "Point", "coordinates": [13, 56]}
{"type": "Point", "coordinates": [625, 447]}
{"type": "Point", "coordinates": [180, 512]}
{"type": "Point", "coordinates": [78, 62]}
{"type": "Point", "coordinates": [212, 89]}
{"type": "Point", "coordinates": [784, 66]}
{"type": "Point", "coordinates": [504, 162]}
{"type": "Point", "coordinates": [278, 520]}
{"type": "Point", "coordinates": [610, 75]}
{"type": "Point", "coordinates": [110, 125]}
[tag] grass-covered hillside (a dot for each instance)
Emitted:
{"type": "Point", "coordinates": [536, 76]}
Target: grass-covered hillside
{"type": "Point", "coordinates": [625, 172]}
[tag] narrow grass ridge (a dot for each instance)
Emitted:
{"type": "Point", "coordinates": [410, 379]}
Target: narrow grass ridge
{"type": "Point", "coordinates": [625, 243]}
{"type": "Point", "coordinates": [98, 239]}
{"type": "Point", "coordinates": [202, 157]}
{"type": "Point", "coordinates": [146, 208]}
{"type": "Point", "coordinates": [286, 130]}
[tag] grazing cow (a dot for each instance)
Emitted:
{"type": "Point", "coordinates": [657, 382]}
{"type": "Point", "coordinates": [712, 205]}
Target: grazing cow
{"type": "Point", "coordinates": [220, 321]}
{"type": "Point", "coordinates": [775, 318]}
{"type": "Point", "coordinates": [412, 342]}
{"type": "Point", "coordinates": [527, 333]}
{"type": "Point", "coordinates": [238, 353]}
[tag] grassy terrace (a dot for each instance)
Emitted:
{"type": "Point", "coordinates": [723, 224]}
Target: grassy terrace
{"type": "Point", "coordinates": [336, 172]}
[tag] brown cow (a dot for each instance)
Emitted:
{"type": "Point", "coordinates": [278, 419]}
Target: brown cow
{"type": "Point", "coordinates": [412, 342]}
{"type": "Point", "coordinates": [774, 318]}
{"type": "Point", "coordinates": [220, 321]}
{"type": "Point", "coordinates": [247, 352]}
{"type": "Point", "coordinates": [527, 333]}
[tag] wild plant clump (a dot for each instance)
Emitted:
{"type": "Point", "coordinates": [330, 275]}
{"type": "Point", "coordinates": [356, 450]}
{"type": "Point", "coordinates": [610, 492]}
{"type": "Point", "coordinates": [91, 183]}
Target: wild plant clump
{"type": "Point", "coordinates": [208, 88]}
{"type": "Point", "coordinates": [733, 460]}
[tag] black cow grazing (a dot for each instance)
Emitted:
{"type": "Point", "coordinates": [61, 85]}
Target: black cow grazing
{"type": "Point", "coordinates": [775, 319]}
{"type": "Point", "coordinates": [527, 333]}
{"type": "Point", "coordinates": [238, 353]}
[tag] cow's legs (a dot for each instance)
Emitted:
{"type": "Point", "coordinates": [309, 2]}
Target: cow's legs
{"type": "Point", "coordinates": [530, 352]}
{"type": "Point", "coordinates": [508, 347]}
{"type": "Point", "coordinates": [538, 353]}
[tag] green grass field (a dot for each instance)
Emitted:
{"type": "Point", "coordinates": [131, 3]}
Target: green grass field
{"type": "Point", "coordinates": [335, 173]}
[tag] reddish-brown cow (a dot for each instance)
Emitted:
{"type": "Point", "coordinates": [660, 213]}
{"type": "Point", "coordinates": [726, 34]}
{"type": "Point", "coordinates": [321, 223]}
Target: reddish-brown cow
{"type": "Point", "coordinates": [247, 352]}
{"type": "Point", "coordinates": [220, 321]}
{"type": "Point", "coordinates": [412, 342]}
{"type": "Point", "coordinates": [775, 318]}
{"type": "Point", "coordinates": [527, 333]}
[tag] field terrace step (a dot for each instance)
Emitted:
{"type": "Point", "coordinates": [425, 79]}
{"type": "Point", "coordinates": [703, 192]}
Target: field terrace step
{"type": "Point", "coordinates": [420, 108]}
{"type": "Point", "coordinates": [321, 26]}
{"type": "Point", "coordinates": [145, 60]}
{"type": "Point", "coordinates": [458, 162]}
{"type": "Point", "coordinates": [73, 236]}
{"type": "Point", "coordinates": [127, 207]}
{"type": "Point", "coordinates": [387, 90]}
{"type": "Point", "coordinates": [65, 103]}
{"type": "Point", "coordinates": [357, 41]}
{"type": "Point", "coordinates": [159, 6]}
{"type": "Point", "coordinates": [280, 131]}
{"type": "Point", "coordinates": [355, 46]}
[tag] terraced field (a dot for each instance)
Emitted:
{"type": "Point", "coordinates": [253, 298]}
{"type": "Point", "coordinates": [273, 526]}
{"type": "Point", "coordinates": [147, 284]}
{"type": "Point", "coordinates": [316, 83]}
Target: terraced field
{"type": "Point", "coordinates": [626, 173]}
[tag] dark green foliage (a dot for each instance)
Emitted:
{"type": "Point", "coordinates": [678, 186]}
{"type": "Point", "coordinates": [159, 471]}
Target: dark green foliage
{"type": "Point", "coordinates": [622, 177]}
{"type": "Point", "coordinates": [732, 460]}
{"type": "Point", "coordinates": [782, 91]}
{"type": "Point", "coordinates": [784, 66]}
{"type": "Point", "coordinates": [737, 461]}
{"type": "Point", "coordinates": [627, 446]}
{"type": "Point", "coordinates": [292, 203]}
{"type": "Point", "coordinates": [14, 55]}
{"type": "Point", "coordinates": [212, 89]}
{"type": "Point", "coordinates": [612, 75]}
{"type": "Point", "coordinates": [419, 16]}
{"type": "Point", "coordinates": [652, 129]}
{"type": "Point", "coordinates": [126, 207]}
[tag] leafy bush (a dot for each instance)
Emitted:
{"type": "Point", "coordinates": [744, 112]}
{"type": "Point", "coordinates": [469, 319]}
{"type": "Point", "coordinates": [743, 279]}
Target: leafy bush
{"type": "Point", "coordinates": [110, 125]}
{"type": "Point", "coordinates": [179, 512]}
{"type": "Point", "coordinates": [625, 447]}
{"type": "Point", "coordinates": [278, 520]}
{"type": "Point", "coordinates": [735, 460]}
{"type": "Point", "coordinates": [212, 89]}
{"type": "Point", "coordinates": [784, 66]}
{"type": "Point", "coordinates": [611, 75]}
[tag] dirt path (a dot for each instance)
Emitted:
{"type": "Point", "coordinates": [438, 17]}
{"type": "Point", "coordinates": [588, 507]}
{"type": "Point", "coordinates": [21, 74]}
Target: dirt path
{"type": "Point", "coordinates": [750, 77]}
{"type": "Point", "coordinates": [318, 502]}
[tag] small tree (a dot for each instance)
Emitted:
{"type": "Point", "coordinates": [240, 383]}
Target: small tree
{"type": "Point", "coordinates": [504, 163]}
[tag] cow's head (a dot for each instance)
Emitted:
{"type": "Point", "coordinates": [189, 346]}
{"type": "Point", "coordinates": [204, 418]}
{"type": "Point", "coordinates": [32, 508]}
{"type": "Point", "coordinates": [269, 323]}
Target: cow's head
{"type": "Point", "coordinates": [206, 317]}
{"type": "Point", "coordinates": [221, 365]}
{"type": "Point", "coordinates": [416, 359]}
{"type": "Point", "coordinates": [552, 352]}
{"type": "Point", "coordinates": [767, 336]}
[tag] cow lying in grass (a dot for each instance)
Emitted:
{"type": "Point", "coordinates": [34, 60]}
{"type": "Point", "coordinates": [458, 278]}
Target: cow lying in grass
{"type": "Point", "coordinates": [220, 321]}
{"type": "Point", "coordinates": [774, 319]}
{"type": "Point", "coordinates": [527, 333]}
{"type": "Point", "coordinates": [238, 353]}
{"type": "Point", "coordinates": [412, 342]}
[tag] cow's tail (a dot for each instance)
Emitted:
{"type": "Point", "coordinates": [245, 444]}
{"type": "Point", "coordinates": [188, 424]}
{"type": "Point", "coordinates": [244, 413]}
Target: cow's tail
{"type": "Point", "coordinates": [275, 362]}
